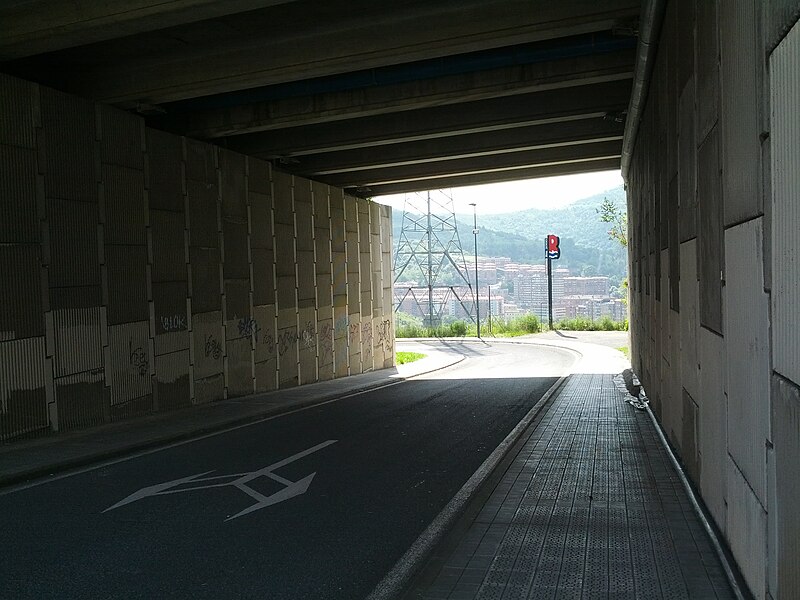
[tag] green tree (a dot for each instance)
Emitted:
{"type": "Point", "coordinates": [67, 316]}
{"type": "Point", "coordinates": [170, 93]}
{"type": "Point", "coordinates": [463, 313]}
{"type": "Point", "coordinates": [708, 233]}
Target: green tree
{"type": "Point", "coordinates": [613, 214]}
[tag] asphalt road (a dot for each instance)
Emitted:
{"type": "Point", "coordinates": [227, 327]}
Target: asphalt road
{"type": "Point", "coordinates": [201, 519]}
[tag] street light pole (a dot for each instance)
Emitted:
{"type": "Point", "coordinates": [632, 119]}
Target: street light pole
{"type": "Point", "coordinates": [477, 287]}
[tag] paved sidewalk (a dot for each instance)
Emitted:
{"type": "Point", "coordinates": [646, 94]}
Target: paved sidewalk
{"type": "Point", "coordinates": [589, 508]}
{"type": "Point", "coordinates": [27, 459]}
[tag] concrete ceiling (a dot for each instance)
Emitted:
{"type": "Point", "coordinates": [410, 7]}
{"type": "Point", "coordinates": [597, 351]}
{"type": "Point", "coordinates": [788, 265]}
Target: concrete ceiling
{"type": "Point", "coordinates": [376, 97]}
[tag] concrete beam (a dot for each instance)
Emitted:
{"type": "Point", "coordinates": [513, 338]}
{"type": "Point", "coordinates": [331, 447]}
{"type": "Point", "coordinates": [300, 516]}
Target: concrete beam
{"type": "Point", "coordinates": [314, 39]}
{"type": "Point", "coordinates": [587, 166]}
{"type": "Point", "coordinates": [496, 114]}
{"type": "Point", "coordinates": [33, 27]}
{"type": "Point", "coordinates": [425, 93]}
{"type": "Point", "coordinates": [479, 164]}
{"type": "Point", "coordinates": [537, 137]}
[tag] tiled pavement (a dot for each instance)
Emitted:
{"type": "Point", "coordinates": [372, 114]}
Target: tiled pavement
{"type": "Point", "coordinates": [590, 508]}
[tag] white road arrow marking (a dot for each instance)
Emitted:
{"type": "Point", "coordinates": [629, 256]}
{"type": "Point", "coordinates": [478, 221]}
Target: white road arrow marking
{"type": "Point", "coordinates": [237, 480]}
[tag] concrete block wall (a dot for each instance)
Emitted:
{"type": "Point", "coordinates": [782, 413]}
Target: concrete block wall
{"type": "Point", "coordinates": [144, 271]}
{"type": "Point", "coordinates": [714, 248]}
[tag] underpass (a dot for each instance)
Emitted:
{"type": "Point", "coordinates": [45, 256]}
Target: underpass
{"type": "Point", "coordinates": [186, 216]}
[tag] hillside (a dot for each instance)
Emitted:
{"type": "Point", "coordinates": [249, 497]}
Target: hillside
{"type": "Point", "coordinates": [585, 246]}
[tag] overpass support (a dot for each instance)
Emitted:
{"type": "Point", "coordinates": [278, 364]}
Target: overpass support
{"type": "Point", "coordinates": [143, 271]}
{"type": "Point", "coordinates": [714, 225]}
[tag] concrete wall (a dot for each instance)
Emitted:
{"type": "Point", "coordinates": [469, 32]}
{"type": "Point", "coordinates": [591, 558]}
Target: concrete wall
{"type": "Point", "coordinates": [142, 271]}
{"type": "Point", "coordinates": [714, 229]}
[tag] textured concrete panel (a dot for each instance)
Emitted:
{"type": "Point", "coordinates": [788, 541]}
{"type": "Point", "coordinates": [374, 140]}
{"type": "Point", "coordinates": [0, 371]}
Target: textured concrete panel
{"type": "Point", "coordinates": [126, 278]}
{"type": "Point", "coordinates": [236, 249]}
{"type": "Point", "coordinates": [23, 398]}
{"type": "Point", "coordinates": [233, 187]}
{"type": "Point", "coordinates": [206, 279]}
{"type": "Point", "coordinates": [305, 225]}
{"type": "Point", "coordinates": [259, 176]}
{"type": "Point", "coordinates": [779, 15]}
{"type": "Point", "coordinates": [285, 254]}
{"type": "Point", "coordinates": [17, 119]}
{"type": "Point", "coordinates": [306, 280]}
{"type": "Point", "coordinates": [707, 64]}
{"type": "Point", "coordinates": [74, 252]}
{"type": "Point", "coordinates": [288, 359]}
{"type": "Point", "coordinates": [237, 307]}
{"type": "Point", "coordinates": [209, 389]}
{"type": "Point", "coordinates": [746, 530]}
{"type": "Point", "coordinates": [785, 119]}
{"type": "Point", "coordinates": [239, 367]}
{"type": "Point", "coordinates": [202, 208]}
{"type": "Point", "coordinates": [125, 206]}
{"type": "Point", "coordinates": [741, 67]}
{"type": "Point", "coordinates": [307, 346]}
{"type": "Point", "coordinates": [713, 423]}
{"type": "Point", "coordinates": [785, 428]}
{"type": "Point", "coordinates": [747, 353]}
{"type": "Point", "coordinates": [261, 221]}
{"type": "Point", "coordinates": [287, 293]}
{"type": "Point", "coordinates": [282, 185]}
{"type": "Point", "coordinates": [165, 158]}
{"type": "Point", "coordinates": [68, 144]}
{"type": "Point", "coordinates": [78, 341]}
{"type": "Point", "coordinates": [208, 341]}
{"type": "Point", "coordinates": [171, 385]}
{"type": "Point", "coordinates": [689, 316]}
{"type": "Point", "coordinates": [689, 443]}
{"type": "Point", "coordinates": [19, 222]}
{"type": "Point", "coordinates": [129, 371]}
{"type": "Point", "coordinates": [710, 248]}
{"type": "Point", "coordinates": [168, 231]}
{"type": "Point", "coordinates": [337, 230]}
{"type": "Point", "coordinates": [201, 162]}
{"type": "Point", "coordinates": [21, 292]}
{"type": "Point", "coordinates": [266, 375]}
{"type": "Point", "coordinates": [81, 400]}
{"type": "Point", "coordinates": [263, 276]}
{"type": "Point", "coordinates": [122, 138]}
{"type": "Point", "coordinates": [169, 306]}
{"type": "Point", "coordinates": [687, 163]}
{"type": "Point", "coordinates": [265, 342]}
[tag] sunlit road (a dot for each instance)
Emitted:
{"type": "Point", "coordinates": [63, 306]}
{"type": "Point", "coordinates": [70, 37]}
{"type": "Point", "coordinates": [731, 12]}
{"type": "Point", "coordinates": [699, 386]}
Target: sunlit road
{"type": "Point", "coordinates": [316, 504]}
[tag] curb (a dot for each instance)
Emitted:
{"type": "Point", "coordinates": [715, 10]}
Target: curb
{"type": "Point", "coordinates": [410, 565]}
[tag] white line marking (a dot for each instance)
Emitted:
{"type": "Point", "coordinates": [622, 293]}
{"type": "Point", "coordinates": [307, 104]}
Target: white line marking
{"type": "Point", "coordinates": [239, 481]}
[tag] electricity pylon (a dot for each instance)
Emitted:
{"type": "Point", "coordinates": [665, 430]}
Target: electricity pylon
{"type": "Point", "coordinates": [429, 251]}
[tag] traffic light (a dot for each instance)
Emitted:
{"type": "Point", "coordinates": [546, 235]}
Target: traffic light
{"type": "Point", "coordinates": [551, 249]}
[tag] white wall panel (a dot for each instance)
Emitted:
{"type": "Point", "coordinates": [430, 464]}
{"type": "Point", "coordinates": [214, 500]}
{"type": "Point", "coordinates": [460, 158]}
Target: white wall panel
{"type": "Point", "coordinates": [747, 353]}
{"type": "Point", "coordinates": [746, 529]}
{"type": "Point", "coordinates": [712, 430]}
{"type": "Point", "coordinates": [784, 99]}
{"type": "Point", "coordinates": [690, 297]}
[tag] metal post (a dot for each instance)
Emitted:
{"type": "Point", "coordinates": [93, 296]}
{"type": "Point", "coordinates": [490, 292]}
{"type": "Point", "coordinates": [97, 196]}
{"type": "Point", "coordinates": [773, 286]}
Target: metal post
{"type": "Point", "coordinates": [477, 286]}
{"type": "Point", "coordinates": [430, 267]}
{"type": "Point", "coordinates": [489, 287]}
{"type": "Point", "coordinates": [550, 291]}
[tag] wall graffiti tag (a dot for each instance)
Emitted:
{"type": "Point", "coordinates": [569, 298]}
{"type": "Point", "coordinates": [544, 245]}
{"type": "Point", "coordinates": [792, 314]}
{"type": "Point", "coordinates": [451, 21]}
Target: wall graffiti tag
{"type": "Point", "coordinates": [213, 347]}
{"type": "Point", "coordinates": [384, 335]}
{"type": "Point", "coordinates": [248, 327]}
{"type": "Point", "coordinates": [325, 343]}
{"type": "Point", "coordinates": [138, 358]}
{"type": "Point", "coordinates": [173, 323]}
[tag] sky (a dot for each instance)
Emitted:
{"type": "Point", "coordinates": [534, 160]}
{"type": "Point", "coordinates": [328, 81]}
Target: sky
{"type": "Point", "coordinates": [512, 196]}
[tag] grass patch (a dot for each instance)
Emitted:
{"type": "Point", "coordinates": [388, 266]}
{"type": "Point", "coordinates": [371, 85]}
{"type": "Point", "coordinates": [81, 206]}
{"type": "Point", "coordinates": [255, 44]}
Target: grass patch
{"type": "Point", "coordinates": [626, 351]}
{"type": "Point", "coordinates": [407, 357]}
{"type": "Point", "coordinates": [584, 324]}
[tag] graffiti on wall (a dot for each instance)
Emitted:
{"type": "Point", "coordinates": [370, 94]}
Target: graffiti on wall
{"type": "Point", "coordinates": [213, 348]}
{"type": "Point", "coordinates": [138, 358]}
{"type": "Point", "coordinates": [383, 335]}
